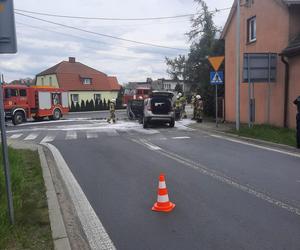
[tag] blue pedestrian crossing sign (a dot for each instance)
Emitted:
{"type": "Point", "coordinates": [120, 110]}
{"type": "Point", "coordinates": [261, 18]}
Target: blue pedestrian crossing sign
{"type": "Point", "coordinates": [216, 77]}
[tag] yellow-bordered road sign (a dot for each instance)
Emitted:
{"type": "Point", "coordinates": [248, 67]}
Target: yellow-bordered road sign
{"type": "Point", "coordinates": [216, 61]}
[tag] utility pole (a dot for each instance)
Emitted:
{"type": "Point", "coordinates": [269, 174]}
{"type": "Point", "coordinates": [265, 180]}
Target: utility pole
{"type": "Point", "coordinates": [237, 80]}
{"type": "Point", "coordinates": [8, 45]}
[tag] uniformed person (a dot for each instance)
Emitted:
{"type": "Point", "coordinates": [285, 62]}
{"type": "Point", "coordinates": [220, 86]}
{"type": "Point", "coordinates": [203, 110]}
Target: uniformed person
{"type": "Point", "coordinates": [297, 102]}
{"type": "Point", "coordinates": [182, 100]}
{"type": "Point", "coordinates": [193, 105]}
{"type": "Point", "coordinates": [177, 108]}
{"type": "Point", "coordinates": [112, 109]}
{"type": "Point", "coordinates": [198, 109]}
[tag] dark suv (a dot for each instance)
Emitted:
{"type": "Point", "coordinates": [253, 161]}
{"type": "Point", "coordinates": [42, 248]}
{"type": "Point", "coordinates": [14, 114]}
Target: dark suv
{"type": "Point", "coordinates": [159, 107]}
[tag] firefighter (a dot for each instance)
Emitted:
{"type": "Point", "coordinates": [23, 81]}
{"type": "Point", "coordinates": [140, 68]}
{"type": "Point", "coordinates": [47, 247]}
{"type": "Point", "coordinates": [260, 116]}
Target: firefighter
{"type": "Point", "coordinates": [193, 104]}
{"type": "Point", "coordinates": [177, 108]}
{"type": "Point", "coordinates": [198, 109]}
{"type": "Point", "coordinates": [297, 102]}
{"type": "Point", "coordinates": [182, 100]}
{"type": "Point", "coordinates": [112, 109]}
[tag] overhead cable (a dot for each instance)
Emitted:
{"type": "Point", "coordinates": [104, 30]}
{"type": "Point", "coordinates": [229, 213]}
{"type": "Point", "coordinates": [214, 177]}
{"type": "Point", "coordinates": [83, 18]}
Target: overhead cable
{"type": "Point", "coordinates": [101, 34]}
{"type": "Point", "coordinates": [117, 19]}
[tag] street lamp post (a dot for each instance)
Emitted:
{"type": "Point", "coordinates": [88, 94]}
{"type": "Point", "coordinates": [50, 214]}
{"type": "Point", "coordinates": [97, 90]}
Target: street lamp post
{"type": "Point", "coordinates": [237, 80]}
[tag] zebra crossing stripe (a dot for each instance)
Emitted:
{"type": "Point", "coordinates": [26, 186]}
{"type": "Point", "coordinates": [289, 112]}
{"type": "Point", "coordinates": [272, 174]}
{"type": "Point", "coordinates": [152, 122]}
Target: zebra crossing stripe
{"type": "Point", "coordinates": [48, 138]}
{"type": "Point", "coordinates": [90, 135]}
{"type": "Point", "coordinates": [71, 135]}
{"type": "Point", "coordinates": [112, 132]}
{"type": "Point", "coordinates": [15, 136]}
{"type": "Point", "coordinates": [31, 136]}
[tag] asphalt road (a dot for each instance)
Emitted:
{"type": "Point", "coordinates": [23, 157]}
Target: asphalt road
{"type": "Point", "coordinates": [228, 195]}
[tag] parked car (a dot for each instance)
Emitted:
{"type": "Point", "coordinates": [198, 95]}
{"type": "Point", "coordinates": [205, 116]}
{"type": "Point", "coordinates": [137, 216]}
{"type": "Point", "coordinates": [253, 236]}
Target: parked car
{"type": "Point", "coordinates": [159, 107]}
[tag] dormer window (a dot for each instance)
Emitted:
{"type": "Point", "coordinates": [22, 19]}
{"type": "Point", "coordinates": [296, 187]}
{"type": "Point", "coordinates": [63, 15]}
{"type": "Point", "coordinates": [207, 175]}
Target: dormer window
{"type": "Point", "coordinates": [86, 80]}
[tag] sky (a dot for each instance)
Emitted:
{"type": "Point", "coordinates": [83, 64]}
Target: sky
{"type": "Point", "coordinates": [41, 45]}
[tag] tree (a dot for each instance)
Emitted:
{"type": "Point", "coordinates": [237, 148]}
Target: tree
{"type": "Point", "coordinates": [87, 105]}
{"type": "Point", "coordinates": [119, 100]}
{"type": "Point", "coordinates": [104, 104]}
{"type": "Point", "coordinates": [97, 104]}
{"type": "Point", "coordinates": [82, 106]}
{"type": "Point", "coordinates": [178, 88]}
{"type": "Point", "coordinates": [195, 68]}
{"type": "Point", "coordinates": [77, 107]}
{"type": "Point", "coordinates": [176, 67]}
{"type": "Point", "coordinates": [100, 105]}
{"type": "Point", "coordinates": [72, 108]}
{"type": "Point", "coordinates": [92, 105]}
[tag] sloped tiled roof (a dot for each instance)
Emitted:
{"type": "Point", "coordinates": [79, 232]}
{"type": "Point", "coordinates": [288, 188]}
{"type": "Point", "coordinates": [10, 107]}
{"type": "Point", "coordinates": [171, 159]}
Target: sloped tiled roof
{"type": "Point", "coordinates": [114, 85]}
{"type": "Point", "coordinates": [70, 75]}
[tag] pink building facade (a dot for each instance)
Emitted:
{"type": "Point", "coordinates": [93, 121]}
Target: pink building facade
{"type": "Point", "coordinates": [268, 26]}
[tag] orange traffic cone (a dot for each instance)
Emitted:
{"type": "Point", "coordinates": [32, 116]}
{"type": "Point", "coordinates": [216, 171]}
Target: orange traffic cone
{"type": "Point", "coordinates": [163, 204]}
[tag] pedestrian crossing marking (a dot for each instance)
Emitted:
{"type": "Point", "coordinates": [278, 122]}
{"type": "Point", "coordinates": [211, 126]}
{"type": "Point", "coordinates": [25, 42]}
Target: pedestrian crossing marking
{"type": "Point", "coordinates": [48, 138]}
{"type": "Point", "coordinates": [90, 135]}
{"type": "Point", "coordinates": [71, 135]}
{"type": "Point", "coordinates": [15, 136]}
{"type": "Point", "coordinates": [112, 132]}
{"type": "Point", "coordinates": [31, 136]}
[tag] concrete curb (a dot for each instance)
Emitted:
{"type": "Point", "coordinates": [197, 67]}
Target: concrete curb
{"type": "Point", "coordinates": [248, 139]}
{"type": "Point", "coordinates": [58, 229]}
{"type": "Point", "coordinates": [59, 234]}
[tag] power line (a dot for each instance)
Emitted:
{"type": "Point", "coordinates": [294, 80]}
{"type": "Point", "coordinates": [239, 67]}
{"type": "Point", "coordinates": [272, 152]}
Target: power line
{"type": "Point", "coordinates": [90, 40]}
{"type": "Point", "coordinates": [117, 19]}
{"type": "Point", "coordinates": [101, 34]}
{"type": "Point", "coordinates": [106, 18]}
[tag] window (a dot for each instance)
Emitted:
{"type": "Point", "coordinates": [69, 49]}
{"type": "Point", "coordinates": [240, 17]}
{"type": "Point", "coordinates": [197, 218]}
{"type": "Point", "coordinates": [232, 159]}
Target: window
{"type": "Point", "coordinates": [97, 97]}
{"type": "Point", "coordinates": [42, 81]}
{"type": "Point", "coordinates": [23, 92]}
{"type": "Point", "coordinates": [74, 98]}
{"type": "Point", "coordinates": [86, 80]}
{"type": "Point", "coordinates": [11, 93]}
{"type": "Point", "coordinates": [50, 80]}
{"type": "Point", "coordinates": [251, 23]}
{"type": "Point", "coordinates": [56, 98]}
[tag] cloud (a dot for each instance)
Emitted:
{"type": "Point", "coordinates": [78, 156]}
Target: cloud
{"type": "Point", "coordinates": [45, 45]}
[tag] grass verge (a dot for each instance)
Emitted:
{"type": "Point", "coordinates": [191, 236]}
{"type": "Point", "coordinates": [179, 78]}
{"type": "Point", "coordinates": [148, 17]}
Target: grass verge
{"type": "Point", "coordinates": [269, 133]}
{"type": "Point", "coordinates": [32, 227]}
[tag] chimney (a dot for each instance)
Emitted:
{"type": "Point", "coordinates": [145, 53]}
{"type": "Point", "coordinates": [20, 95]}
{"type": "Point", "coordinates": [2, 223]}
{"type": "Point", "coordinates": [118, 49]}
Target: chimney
{"type": "Point", "coordinates": [72, 60]}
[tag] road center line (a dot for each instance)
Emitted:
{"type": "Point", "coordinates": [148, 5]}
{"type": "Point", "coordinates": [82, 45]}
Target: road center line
{"type": "Point", "coordinates": [256, 146]}
{"type": "Point", "coordinates": [224, 179]}
{"type": "Point", "coordinates": [92, 226]}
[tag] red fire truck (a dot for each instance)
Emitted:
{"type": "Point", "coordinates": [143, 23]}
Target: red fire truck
{"type": "Point", "coordinates": [135, 94]}
{"type": "Point", "coordinates": [37, 102]}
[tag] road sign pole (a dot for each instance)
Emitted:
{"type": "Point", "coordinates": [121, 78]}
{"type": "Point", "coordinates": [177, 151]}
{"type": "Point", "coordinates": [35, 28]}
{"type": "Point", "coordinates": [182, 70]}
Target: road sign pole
{"type": "Point", "coordinates": [216, 105]}
{"type": "Point", "coordinates": [5, 157]}
{"type": "Point", "coordinates": [237, 62]}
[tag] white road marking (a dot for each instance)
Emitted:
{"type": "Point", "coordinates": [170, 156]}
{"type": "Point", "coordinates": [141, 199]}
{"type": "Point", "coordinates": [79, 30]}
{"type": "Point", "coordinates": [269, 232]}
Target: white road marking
{"type": "Point", "coordinates": [181, 137]}
{"type": "Point", "coordinates": [224, 179]}
{"type": "Point", "coordinates": [48, 138]}
{"type": "Point", "coordinates": [92, 226]}
{"type": "Point", "coordinates": [71, 135]}
{"type": "Point", "coordinates": [15, 136]}
{"type": "Point", "coordinates": [91, 134]}
{"type": "Point", "coordinates": [146, 131]}
{"type": "Point", "coordinates": [256, 146]}
{"type": "Point", "coordinates": [150, 145]}
{"type": "Point", "coordinates": [112, 132]}
{"type": "Point", "coordinates": [31, 136]}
